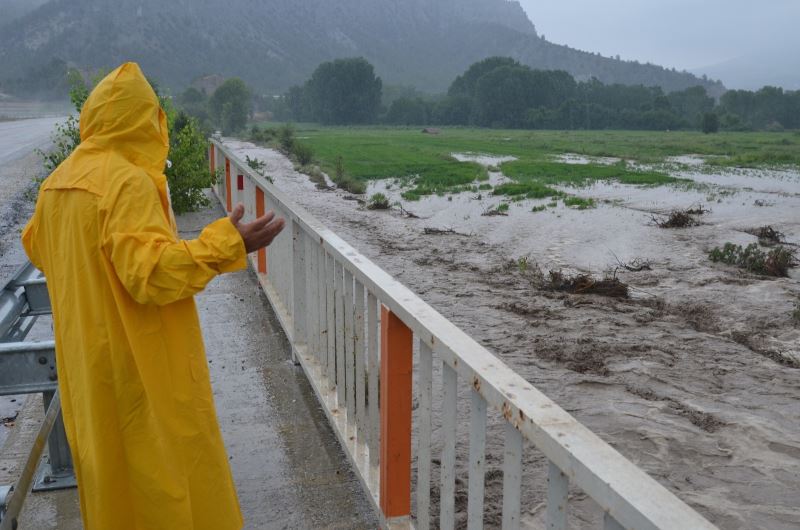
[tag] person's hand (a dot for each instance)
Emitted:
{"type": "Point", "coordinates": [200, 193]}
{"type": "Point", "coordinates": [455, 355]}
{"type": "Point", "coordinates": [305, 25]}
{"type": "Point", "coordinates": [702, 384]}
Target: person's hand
{"type": "Point", "coordinates": [259, 233]}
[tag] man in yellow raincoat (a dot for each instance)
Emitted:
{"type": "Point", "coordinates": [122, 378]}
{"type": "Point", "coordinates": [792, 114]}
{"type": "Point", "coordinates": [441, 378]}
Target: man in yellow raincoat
{"type": "Point", "coordinates": [132, 371]}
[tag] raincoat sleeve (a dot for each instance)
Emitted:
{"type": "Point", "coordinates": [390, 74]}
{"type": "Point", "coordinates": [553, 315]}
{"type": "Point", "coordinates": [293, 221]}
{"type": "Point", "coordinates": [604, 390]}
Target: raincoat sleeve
{"type": "Point", "coordinates": [153, 265]}
{"type": "Point", "coordinates": [28, 236]}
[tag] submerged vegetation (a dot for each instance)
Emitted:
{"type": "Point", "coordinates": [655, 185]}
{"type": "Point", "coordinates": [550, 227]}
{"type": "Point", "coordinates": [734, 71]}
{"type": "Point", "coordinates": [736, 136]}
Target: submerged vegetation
{"type": "Point", "coordinates": [776, 262]}
{"type": "Point", "coordinates": [378, 201]}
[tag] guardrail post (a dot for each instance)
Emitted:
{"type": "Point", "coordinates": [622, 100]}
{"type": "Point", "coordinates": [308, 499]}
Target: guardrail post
{"type": "Point", "coordinates": [57, 472]}
{"type": "Point", "coordinates": [395, 405]}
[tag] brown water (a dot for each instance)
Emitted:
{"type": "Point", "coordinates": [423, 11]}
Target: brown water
{"type": "Point", "coordinates": [694, 378]}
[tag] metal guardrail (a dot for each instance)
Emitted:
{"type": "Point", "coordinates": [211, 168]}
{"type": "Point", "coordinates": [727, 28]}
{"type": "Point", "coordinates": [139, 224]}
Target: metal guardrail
{"type": "Point", "coordinates": [30, 368]}
{"type": "Point", "coordinates": [352, 328]}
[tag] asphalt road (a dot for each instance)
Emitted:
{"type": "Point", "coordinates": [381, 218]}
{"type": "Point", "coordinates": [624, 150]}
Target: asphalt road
{"type": "Point", "coordinates": [19, 138]}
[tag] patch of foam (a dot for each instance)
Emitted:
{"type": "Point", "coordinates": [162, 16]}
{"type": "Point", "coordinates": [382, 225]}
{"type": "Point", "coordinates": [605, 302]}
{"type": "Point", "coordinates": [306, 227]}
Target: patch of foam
{"type": "Point", "coordinates": [583, 160]}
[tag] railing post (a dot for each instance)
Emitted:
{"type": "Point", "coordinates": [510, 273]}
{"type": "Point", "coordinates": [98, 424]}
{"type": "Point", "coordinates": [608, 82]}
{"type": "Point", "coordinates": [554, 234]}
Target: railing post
{"type": "Point", "coordinates": [299, 312]}
{"type": "Point", "coordinates": [557, 497]}
{"type": "Point", "coordinates": [262, 253]}
{"type": "Point", "coordinates": [395, 404]}
{"type": "Point", "coordinates": [239, 186]}
{"type": "Point", "coordinates": [228, 184]}
{"type": "Point", "coordinates": [212, 157]}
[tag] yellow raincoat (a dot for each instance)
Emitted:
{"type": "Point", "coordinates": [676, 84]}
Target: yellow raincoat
{"type": "Point", "coordinates": [132, 370]}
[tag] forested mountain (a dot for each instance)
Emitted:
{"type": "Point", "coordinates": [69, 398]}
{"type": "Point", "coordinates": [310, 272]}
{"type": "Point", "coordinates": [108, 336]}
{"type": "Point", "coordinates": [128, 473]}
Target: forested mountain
{"type": "Point", "coordinates": [273, 44]}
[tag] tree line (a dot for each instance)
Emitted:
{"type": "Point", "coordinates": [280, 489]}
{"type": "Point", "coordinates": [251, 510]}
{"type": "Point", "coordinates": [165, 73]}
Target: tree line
{"type": "Point", "coordinates": [499, 92]}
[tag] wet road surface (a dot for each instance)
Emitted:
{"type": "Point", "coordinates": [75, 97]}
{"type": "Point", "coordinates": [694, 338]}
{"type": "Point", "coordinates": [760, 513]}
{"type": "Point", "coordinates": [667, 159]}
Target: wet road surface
{"type": "Point", "coordinates": [21, 137]}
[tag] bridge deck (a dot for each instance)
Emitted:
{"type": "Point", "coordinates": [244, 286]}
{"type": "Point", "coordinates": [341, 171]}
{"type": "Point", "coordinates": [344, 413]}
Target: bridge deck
{"type": "Point", "coordinates": [288, 467]}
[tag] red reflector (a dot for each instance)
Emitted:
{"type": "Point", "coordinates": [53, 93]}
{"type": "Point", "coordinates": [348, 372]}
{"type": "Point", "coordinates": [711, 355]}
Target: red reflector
{"type": "Point", "coordinates": [240, 182]}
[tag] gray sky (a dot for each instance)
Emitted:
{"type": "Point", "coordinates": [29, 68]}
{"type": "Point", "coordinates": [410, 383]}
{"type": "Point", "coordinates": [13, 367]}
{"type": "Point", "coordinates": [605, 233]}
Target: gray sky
{"type": "Point", "coordinates": [686, 34]}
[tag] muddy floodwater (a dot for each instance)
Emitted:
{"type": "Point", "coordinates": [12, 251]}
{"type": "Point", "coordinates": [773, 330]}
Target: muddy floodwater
{"type": "Point", "coordinates": [695, 377]}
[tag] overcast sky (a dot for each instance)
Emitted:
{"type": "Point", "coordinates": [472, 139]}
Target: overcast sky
{"type": "Point", "coordinates": [686, 34]}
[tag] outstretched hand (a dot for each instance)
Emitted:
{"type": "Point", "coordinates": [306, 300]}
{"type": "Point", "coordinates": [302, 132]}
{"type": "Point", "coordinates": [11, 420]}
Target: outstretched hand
{"type": "Point", "coordinates": [259, 233]}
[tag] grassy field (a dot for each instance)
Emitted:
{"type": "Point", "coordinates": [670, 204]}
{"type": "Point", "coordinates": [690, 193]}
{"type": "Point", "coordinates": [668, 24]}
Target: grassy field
{"type": "Point", "coordinates": [425, 161]}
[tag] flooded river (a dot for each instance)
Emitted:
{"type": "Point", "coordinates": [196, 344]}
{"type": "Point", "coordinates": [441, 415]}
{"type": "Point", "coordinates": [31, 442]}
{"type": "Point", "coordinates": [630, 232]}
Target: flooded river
{"type": "Point", "coordinates": [694, 378]}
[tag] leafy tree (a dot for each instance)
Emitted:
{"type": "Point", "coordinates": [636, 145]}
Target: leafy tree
{"type": "Point", "coordinates": [692, 103]}
{"type": "Point", "coordinates": [230, 105]}
{"type": "Point", "coordinates": [299, 106]}
{"type": "Point", "coordinates": [710, 123]}
{"type": "Point", "coordinates": [453, 110]}
{"type": "Point", "coordinates": [195, 103]}
{"type": "Point", "coordinates": [408, 111]}
{"type": "Point", "coordinates": [502, 95]}
{"type": "Point", "coordinates": [344, 91]}
{"type": "Point", "coordinates": [467, 83]}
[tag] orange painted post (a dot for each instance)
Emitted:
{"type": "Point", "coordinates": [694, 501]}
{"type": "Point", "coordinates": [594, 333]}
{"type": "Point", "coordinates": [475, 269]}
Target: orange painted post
{"type": "Point", "coordinates": [228, 184]}
{"type": "Point", "coordinates": [262, 253]}
{"type": "Point", "coordinates": [395, 403]}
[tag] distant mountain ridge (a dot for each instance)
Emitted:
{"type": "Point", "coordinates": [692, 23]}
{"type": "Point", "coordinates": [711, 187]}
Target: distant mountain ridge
{"type": "Point", "coordinates": [274, 44]}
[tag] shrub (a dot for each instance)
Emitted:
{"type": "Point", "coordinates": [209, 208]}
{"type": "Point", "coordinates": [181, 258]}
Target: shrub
{"type": "Point", "coordinates": [303, 152]}
{"type": "Point", "coordinates": [262, 135]}
{"type": "Point", "coordinates": [255, 163]}
{"type": "Point", "coordinates": [776, 262]}
{"type": "Point", "coordinates": [352, 185]}
{"type": "Point", "coordinates": [189, 174]}
{"type": "Point", "coordinates": [286, 138]}
{"type": "Point", "coordinates": [378, 201]}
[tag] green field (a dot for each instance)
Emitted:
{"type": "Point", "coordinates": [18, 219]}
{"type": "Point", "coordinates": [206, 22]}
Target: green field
{"type": "Point", "coordinates": [424, 161]}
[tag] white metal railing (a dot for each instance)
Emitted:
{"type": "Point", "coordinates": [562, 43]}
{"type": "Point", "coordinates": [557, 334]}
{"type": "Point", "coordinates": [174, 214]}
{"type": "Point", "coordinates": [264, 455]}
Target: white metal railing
{"type": "Point", "coordinates": [351, 327]}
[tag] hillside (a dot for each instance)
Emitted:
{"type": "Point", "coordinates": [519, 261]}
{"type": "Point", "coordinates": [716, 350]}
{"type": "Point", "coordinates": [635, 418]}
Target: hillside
{"type": "Point", "coordinates": [276, 43]}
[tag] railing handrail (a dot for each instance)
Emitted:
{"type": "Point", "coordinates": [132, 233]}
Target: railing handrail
{"type": "Point", "coordinates": [624, 491]}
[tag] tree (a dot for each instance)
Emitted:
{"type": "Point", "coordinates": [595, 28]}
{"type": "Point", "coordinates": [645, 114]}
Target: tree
{"type": "Point", "coordinates": [466, 84]}
{"type": "Point", "coordinates": [710, 123]}
{"type": "Point", "coordinates": [230, 105]}
{"type": "Point", "coordinates": [342, 92]}
{"type": "Point", "coordinates": [692, 103]}
{"type": "Point", "coordinates": [502, 96]}
{"type": "Point", "coordinates": [408, 111]}
{"type": "Point", "coordinates": [453, 110]}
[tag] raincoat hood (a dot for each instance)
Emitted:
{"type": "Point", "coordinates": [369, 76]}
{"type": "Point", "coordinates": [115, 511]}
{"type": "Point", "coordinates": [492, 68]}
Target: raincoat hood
{"type": "Point", "coordinates": [123, 114]}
